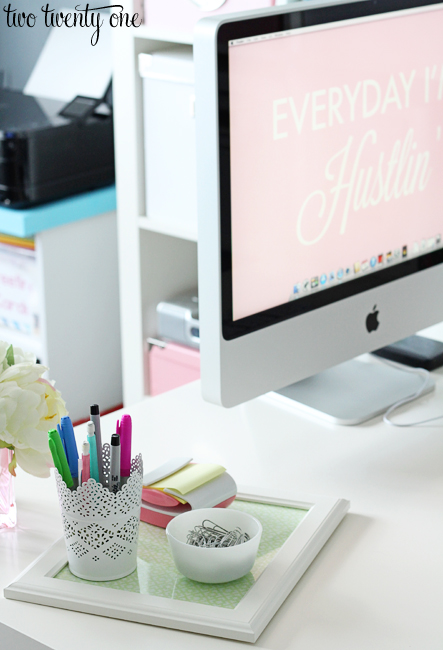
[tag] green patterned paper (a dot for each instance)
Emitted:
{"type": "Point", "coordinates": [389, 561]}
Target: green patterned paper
{"type": "Point", "coordinates": [156, 574]}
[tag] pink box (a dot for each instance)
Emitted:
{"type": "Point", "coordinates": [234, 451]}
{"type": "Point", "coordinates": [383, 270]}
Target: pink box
{"type": "Point", "coordinates": [171, 366]}
{"type": "Point", "coordinates": [180, 16]}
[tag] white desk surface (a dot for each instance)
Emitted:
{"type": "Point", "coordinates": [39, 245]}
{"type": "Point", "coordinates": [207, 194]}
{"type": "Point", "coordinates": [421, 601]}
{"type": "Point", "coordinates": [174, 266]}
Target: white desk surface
{"type": "Point", "coordinates": [376, 585]}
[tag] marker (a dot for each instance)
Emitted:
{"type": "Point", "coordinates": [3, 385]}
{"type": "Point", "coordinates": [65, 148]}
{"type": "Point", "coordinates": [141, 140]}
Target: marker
{"type": "Point", "coordinates": [125, 430]}
{"type": "Point", "coordinates": [95, 418]}
{"type": "Point", "coordinates": [55, 458]}
{"type": "Point", "coordinates": [93, 452]}
{"type": "Point", "coordinates": [61, 456]}
{"type": "Point", "coordinates": [114, 479]}
{"type": "Point", "coordinates": [85, 462]}
{"type": "Point", "coordinates": [66, 432]}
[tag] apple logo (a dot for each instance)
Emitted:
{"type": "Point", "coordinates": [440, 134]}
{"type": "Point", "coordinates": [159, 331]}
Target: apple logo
{"type": "Point", "coordinates": [372, 321]}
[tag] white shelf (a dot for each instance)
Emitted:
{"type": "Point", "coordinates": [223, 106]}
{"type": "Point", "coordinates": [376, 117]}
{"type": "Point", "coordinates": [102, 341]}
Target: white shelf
{"type": "Point", "coordinates": [76, 284]}
{"type": "Point", "coordinates": [157, 258]}
{"type": "Point", "coordinates": [158, 35]}
{"type": "Point", "coordinates": [171, 228]}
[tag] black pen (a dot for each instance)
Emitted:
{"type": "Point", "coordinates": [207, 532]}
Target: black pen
{"type": "Point", "coordinates": [114, 475]}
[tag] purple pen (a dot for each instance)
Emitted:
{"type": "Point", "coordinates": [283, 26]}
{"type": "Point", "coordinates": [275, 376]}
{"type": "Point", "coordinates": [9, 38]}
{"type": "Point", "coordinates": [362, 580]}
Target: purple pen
{"type": "Point", "coordinates": [125, 431]}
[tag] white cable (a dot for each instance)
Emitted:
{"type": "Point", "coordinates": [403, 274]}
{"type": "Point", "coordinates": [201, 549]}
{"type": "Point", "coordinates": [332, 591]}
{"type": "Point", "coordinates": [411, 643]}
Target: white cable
{"type": "Point", "coordinates": [426, 378]}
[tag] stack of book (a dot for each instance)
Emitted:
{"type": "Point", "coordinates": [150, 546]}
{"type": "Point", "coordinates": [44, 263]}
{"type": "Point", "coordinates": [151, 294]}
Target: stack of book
{"type": "Point", "coordinates": [180, 485]}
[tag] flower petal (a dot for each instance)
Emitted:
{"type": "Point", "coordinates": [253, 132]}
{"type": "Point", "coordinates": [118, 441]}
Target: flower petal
{"type": "Point", "coordinates": [34, 462]}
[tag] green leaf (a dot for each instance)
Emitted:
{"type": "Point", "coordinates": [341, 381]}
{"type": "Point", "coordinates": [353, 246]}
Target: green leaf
{"type": "Point", "coordinates": [5, 445]}
{"type": "Point", "coordinates": [10, 356]}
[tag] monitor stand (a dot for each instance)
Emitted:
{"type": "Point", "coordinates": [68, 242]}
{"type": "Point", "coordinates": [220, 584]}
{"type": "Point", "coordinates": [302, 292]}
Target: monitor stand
{"type": "Point", "coordinates": [354, 391]}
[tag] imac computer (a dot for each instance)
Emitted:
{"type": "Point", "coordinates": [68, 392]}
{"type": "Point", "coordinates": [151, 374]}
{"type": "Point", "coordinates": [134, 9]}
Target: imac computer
{"type": "Point", "coordinates": [320, 198]}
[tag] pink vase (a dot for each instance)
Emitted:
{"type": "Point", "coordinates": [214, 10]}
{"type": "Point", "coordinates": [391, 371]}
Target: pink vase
{"type": "Point", "coordinates": [8, 510]}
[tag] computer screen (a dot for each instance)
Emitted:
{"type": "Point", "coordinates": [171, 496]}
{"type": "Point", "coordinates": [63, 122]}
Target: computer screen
{"type": "Point", "coordinates": [354, 139]}
{"type": "Point", "coordinates": [327, 131]}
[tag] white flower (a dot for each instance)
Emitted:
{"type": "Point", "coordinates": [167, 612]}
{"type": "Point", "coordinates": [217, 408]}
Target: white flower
{"type": "Point", "coordinates": [24, 372]}
{"type": "Point", "coordinates": [29, 407]}
{"type": "Point", "coordinates": [55, 405]}
{"type": "Point", "coordinates": [19, 355]}
{"type": "Point", "coordinates": [34, 462]}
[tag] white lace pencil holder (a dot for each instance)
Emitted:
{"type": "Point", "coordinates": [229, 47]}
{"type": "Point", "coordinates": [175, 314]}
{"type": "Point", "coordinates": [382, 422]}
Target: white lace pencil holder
{"type": "Point", "coordinates": [101, 528]}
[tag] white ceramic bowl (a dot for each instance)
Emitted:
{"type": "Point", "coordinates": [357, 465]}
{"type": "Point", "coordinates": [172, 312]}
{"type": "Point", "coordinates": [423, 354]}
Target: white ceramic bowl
{"type": "Point", "coordinates": [214, 565]}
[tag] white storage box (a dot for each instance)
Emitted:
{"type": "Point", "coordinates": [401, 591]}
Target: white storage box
{"type": "Point", "coordinates": [169, 124]}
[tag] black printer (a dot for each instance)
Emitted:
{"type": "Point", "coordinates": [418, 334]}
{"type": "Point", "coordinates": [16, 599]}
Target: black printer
{"type": "Point", "coordinates": [50, 150]}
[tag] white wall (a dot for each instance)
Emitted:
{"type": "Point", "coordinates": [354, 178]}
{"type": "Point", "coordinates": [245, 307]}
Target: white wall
{"type": "Point", "coordinates": [20, 46]}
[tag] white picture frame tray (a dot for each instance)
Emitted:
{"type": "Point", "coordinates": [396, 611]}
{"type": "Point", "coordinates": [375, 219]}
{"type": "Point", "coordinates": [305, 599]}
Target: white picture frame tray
{"type": "Point", "coordinates": [244, 623]}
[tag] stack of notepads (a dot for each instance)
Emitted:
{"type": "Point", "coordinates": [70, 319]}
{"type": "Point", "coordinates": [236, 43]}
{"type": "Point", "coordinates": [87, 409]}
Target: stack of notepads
{"type": "Point", "coordinates": [180, 485]}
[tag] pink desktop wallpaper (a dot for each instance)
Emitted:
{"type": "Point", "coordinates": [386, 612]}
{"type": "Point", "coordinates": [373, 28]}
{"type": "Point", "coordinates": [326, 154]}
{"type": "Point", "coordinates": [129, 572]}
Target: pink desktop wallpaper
{"type": "Point", "coordinates": [336, 154]}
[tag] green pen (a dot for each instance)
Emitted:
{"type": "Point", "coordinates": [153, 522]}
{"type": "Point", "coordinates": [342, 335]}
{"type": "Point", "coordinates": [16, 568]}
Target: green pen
{"type": "Point", "coordinates": [55, 458]}
{"type": "Point", "coordinates": [65, 473]}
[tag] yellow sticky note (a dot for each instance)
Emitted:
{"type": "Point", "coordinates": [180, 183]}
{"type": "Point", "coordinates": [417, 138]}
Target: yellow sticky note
{"type": "Point", "coordinates": [189, 478]}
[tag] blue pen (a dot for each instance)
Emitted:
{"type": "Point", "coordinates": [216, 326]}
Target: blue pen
{"type": "Point", "coordinates": [66, 431]}
{"type": "Point", "coordinates": [62, 439]}
{"type": "Point", "coordinates": [93, 464]}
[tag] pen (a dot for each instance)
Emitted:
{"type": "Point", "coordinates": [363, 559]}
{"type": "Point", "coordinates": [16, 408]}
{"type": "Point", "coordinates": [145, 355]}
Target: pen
{"type": "Point", "coordinates": [63, 463]}
{"type": "Point", "coordinates": [95, 418]}
{"type": "Point", "coordinates": [55, 458]}
{"type": "Point", "coordinates": [66, 431]}
{"type": "Point", "coordinates": [94, 473]}
{"type": "Point", "coordinates": [80, 471]}
{"type": "Point", "coordinates": [114, 482]}
{"type": "Point", "coordinates": [85, 462]}
{"type": "Point", "coordinates": [125, 430]}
